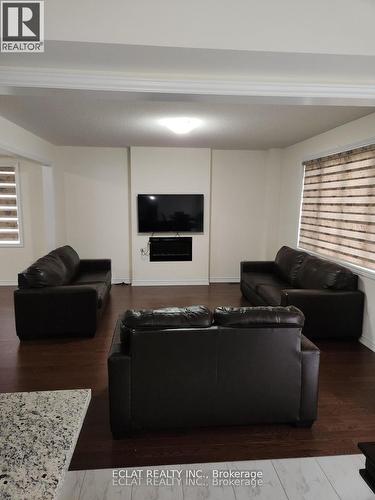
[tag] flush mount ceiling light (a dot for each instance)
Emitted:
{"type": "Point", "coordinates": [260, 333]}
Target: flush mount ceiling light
{"type": "Point", "coordinates": [181, 125]}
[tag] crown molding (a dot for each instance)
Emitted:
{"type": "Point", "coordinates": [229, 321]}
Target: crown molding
{"type": "Point", "coordinates": [119, 82]}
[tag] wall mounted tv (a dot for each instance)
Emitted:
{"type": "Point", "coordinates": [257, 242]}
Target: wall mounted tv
{"type": "Point", "coordinates": [161, 213]}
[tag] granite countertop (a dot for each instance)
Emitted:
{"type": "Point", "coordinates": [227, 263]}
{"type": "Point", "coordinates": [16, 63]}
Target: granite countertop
{"type": "Point", "coordinates": [38, 434]}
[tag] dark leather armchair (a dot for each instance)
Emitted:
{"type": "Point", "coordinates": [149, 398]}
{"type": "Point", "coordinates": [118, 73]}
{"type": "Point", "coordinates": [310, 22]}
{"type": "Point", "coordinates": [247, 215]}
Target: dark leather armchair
{"type": "Point", "coordinates": [61, 295]}
{"type": "Point", "coordinates": [325, 292]}
{"type": "Point", "coordinates": [176, 367]}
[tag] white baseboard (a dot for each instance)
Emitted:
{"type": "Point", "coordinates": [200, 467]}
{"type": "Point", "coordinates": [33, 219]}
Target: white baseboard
{"type": "Point", "coordinates": [225, 280]}
{"type": "Point", "coordinates": [367, 342]}
{"type": "Point", "coordinates": [169, 282]}
{"type": "Point", "coordinates": [127, 281]}
{"type": "Point", "coordinates": [115, 281]}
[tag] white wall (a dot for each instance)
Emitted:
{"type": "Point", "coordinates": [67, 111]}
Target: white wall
{"type": "Point", "coordinates": [168, 171]}
{"type": "Point", "coordinates": [15, 259]}
{"type": "Point", "coordinates": [355, 133]}
{"type": "Point", "coordinates": [19, 142]}
{"type": "Point", "coordinates": [59, 201]}
{"type": "Point", "coordinates": [271, 207]}
{"type": "Point", "coordinates": [244, 207]}
{"type": "Point", "coordinates": [91, 204]}
{"type": "Point", "coordinates": [237, 199]}
{"type": "Point", "coordinates": [94, 185]}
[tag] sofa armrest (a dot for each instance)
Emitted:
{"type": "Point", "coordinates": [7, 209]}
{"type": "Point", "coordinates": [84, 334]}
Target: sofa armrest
{"type": "Point", "coordinates": [310, 355]}
{"type": "Point", "coordinates": [302, 297]}
{"type": "Point", "coordinates": [95, 265]}
{"type": "Point", "coordinates": [315, 294]}
{"type": "Point", "coordinates": [328, 313]}
{"type": "Point", "coordinates": [119, 383]}
{"type": "Point", "coordinates": [56, 311]}
{"type": "Point", "coordinates": [266, 266]}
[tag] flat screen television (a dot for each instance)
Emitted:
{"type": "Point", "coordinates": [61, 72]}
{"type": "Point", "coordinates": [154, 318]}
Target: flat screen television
{"type": "Point", "coordinates": [161, 213]}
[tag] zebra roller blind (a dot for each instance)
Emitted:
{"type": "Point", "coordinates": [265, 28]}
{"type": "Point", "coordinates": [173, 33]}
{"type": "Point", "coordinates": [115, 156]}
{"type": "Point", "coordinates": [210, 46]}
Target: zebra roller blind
{"type": "Point", "coordinates": [338, 206]}
{"type": "Point", "coordinates": [9, 223]}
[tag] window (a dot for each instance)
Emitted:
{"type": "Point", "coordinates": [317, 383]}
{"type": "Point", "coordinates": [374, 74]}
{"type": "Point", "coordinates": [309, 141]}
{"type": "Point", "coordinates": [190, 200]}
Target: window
{"type": "Point", "coordinates": [338, 207]}
{"type": "Point", "coordinates": [9, 208]}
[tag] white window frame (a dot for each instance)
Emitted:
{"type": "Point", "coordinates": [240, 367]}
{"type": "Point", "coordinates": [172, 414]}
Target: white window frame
{"type": "Point", "coordinates": [15, 164]}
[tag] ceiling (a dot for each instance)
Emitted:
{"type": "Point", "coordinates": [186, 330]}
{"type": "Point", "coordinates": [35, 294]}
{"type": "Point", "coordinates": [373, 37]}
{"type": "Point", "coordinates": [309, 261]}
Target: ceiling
{"type": "Point", "coordinates": [39, 100]}
{"type": "Point", "coordinates": [320, 26]}
{"type": "Point", "coordinates": [4, 153]}
{"type": "Point", "coordinates": [83, 118]}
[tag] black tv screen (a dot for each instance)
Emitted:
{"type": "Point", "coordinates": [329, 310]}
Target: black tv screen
{"type": "Point", "coordinates": [159, 213]}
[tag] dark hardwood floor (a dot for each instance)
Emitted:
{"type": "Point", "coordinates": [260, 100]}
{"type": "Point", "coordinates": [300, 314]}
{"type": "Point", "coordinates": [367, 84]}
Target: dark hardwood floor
{"type": "Point", "coordinates": [346, 402]}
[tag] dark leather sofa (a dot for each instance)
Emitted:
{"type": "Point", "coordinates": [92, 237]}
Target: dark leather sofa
{"type": "Point", "coordinates": [325, 292]}
{"type": "Point", "coordinates": [184, 367]}
{"type": "Point", "coordinates": [61, 295]}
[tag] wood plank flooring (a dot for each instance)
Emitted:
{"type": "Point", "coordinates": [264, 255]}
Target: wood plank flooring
{"type": "Point", "coordinates": [346, 402]}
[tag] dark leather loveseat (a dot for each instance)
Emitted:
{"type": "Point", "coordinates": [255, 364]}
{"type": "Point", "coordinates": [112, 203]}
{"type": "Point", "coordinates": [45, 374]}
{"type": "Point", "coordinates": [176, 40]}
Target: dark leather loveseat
{"type": "Point", "coordinates": [61, 295]}
{"type": "Point", "coordinates": [184, 367]}
{"type": "Point", "coordinates": [325, 292]}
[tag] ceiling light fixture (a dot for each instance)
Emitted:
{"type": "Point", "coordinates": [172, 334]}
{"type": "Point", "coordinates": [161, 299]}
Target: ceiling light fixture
{"type": "Point", "coordinates": [181, 125]}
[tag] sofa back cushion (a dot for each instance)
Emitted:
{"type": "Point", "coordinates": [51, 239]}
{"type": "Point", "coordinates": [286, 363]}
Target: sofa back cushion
{"type": "Point", "coordinates": [49, 270]}
{"type": "Point", "coordinates": [71, 260]}
{"type": "Point", "coordinates": [259, 317]}
{"type": "Point", "coordinates": [319, 274]}
{"type": "Point", "coordinates": [169, 317]}
{"type": "Point", "coordinates": [198, 376]}
{"type": "Point", "coordinates": [288, 261]}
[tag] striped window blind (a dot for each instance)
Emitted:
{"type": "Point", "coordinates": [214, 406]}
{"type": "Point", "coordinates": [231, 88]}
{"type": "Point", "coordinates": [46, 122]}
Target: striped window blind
{"type": "Point", "coordinates": [338, 207]}
{"type": "Point", "coordinates": [9, 222]}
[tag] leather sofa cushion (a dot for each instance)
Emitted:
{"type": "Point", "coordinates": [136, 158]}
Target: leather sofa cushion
{"type": "Point", "coordinates": [317, 273]}
{"type": "Point", "coordinates": [49, 270]}
{"type": "Point", "coordinates": [258, 317]}
{"type": "Point", "coordinates": [288, 261]}
{"type": "Point", "coordinates": [169, 317]}
{"type": "Point", "coordinates": [70, 259]}
{"type": "Point", "coordinates": [270, 294]}
{"type": "Point", "coordinates": [88, 277]}
{"type": "Point", "coordinates": [253, 280]}
{"type": "Point", "coordinates": [100, 287]}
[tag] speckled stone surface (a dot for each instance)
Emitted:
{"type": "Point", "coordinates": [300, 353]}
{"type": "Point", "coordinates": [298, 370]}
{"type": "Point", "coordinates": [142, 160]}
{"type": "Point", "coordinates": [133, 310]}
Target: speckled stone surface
{"type": "Point", "coordinates": [38, 434]}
